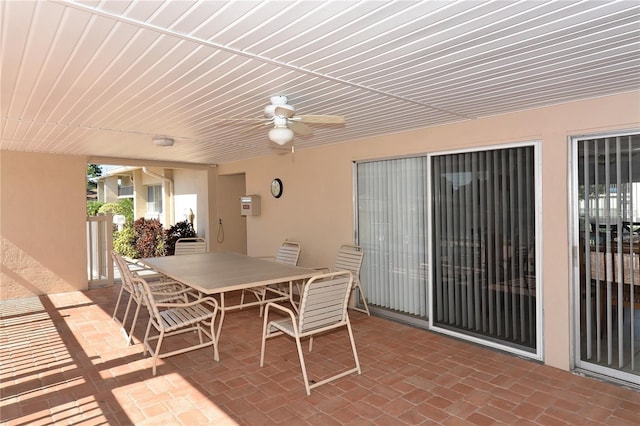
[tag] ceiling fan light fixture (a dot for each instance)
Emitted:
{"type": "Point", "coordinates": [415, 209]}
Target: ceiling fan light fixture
{"type": "Point", "coordinates": [281, 135]}
{"type": "Point", "coordinates": [162, 141]}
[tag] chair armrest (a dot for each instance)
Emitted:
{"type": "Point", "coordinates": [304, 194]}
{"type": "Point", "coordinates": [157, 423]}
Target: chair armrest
{"type": "Point", "coordinates": [280, 308]}
{"type": "Point", "coordinates": [181, 292]}
{"type": "Point", "coordinates": [205, 300]}
{"type": "Point", "coordinates": [134, 264]}
{"type": "Point", "coordinates": [319, 268]}
{"type": "Point", "coordinates": [165, 283]}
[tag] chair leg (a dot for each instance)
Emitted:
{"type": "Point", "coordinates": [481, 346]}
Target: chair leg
{"type": "Point", "coordinates": [264, 339]}
{"type": "Point", "coordinates": [353, 347]}
{"type": "Point", "coordinates": [242, 298]}
{"type": "Point", "coordinates": [133, 324]}
{"type": "Point", "coordinates": [258, 298]}
{"type": "Point", "coordinates": [118, 302]}
{"type": "Point", "coordinates": [364, 299]}
{"type": "Point", "coordinates": [124, 318]}
{"type": "Point", "coordinates": [200, 334]}
{"type": "Point", "coordinates": [156, 355]}
{"type": "Point", "coordinates": [145, 342]}
{"type": "Point", "coordinates": [303, 366]}
{"type": "Point", "coordinates": [264, 297]}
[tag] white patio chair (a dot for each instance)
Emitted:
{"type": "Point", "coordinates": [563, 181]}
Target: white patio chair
{"type": "Point", "coordinates": [288, 253]}
{"type": "Point", "coordinates": [143, 271]}
{"type": "Point", "coordinates": [349, 258]}
{"type": "Point", "coordinates": [190, 245]}
{"type": "Point", "coordinates": [174, 318]}
{"type": "Point", "coordinates": [323, 308]}
{"type": "Point", "coordinates": [164, 289]}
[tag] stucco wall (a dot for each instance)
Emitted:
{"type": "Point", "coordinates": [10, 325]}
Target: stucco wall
{"type": "Point", "coordinates": [42, 210]}
{"type": "Point", "coordinates": [42, 224]}
{"type": "Point", "coordinates": [317, 205]}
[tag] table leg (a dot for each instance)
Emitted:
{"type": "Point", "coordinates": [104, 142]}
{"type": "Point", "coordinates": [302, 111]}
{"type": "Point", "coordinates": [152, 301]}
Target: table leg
{"type": "Point", "coordinates": [217, 337]}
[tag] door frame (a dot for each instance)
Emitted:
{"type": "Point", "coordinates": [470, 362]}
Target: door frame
{"type": "Point", "coordinates": [574, 261]}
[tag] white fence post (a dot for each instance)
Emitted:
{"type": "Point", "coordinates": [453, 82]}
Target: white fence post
{"type": "Point", "coordinates": [99, 246]}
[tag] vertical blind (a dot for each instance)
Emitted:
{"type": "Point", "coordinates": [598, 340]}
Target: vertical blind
{"type": "Point", "coordinates": [392, 230]}
{"type": "Point", "coordinates": [484, 281]}
{"type": "Point", "coordinates": [609, 241]}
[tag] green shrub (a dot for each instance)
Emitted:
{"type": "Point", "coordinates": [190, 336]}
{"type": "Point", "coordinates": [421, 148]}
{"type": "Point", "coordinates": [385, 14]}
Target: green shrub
{"type": "Point", "coordinates": [123, 207]}
{"type": "Point", "coordinates": [109, 208]}
{"type": "Point", "coordinates": [93, 207]}
{"type": "Point", "coordinates": [182, 229]}
{"type": "Point", "coordinates": [126, 209]}
{"type": "Point", "coordinates": [124, 242]}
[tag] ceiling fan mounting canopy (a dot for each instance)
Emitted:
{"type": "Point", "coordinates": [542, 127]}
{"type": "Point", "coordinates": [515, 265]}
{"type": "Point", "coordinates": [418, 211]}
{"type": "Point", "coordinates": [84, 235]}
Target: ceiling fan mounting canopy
{"type": "Point", "coordinates": [279, 107]}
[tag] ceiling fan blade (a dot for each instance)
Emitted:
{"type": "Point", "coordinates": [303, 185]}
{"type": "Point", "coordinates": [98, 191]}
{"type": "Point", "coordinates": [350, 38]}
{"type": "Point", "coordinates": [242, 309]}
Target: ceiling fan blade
{"type": "Point", "coordinates": [284, 111]}
{"type": "Point", "coordinates": [280, 150]}
{"type": "Point", "coordinates": [300, 128]}
{"type": "Point", "coordinates": [322, 119]}
{"type": "Point", "coordinates": [253, 126]}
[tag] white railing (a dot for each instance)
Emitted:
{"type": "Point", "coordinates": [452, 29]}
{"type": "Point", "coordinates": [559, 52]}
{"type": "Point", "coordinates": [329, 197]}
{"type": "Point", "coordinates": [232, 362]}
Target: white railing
{"type": "Point", "coordinates": [99, 246]}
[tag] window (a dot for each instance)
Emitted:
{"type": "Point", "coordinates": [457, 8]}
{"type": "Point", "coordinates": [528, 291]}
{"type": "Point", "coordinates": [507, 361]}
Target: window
{"type": "Point", "coordinates": [154, 201]}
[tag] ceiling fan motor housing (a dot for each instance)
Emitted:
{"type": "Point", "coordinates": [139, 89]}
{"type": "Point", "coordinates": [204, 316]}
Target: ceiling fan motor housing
{"type": "Point", "coordinates": [279, 107]}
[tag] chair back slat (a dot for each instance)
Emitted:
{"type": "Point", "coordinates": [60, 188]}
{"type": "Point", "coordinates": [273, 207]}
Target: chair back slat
{"type": "Point", "coordinates": [288, 253]}
{"type": "Point", "coordinates": [143, 291]}
{"type": "Point", "coordinates": [190, 246]}
{"type": "Point", "coordinates": [324, 301]}
{"type": "Point", "coordinates": [349, 258]}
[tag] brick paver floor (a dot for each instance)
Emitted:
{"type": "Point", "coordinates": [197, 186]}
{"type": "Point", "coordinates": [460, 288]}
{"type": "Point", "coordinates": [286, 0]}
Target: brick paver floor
{"type": "Point", "coordinates": [64, 361]}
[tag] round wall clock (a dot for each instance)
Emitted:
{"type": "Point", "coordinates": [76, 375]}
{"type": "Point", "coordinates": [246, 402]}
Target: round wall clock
{"type": "Point", "coordinates": [276, 188]}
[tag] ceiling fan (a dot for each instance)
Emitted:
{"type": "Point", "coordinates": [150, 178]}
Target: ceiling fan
{"type": "Point", "coordinates": [286, 122]}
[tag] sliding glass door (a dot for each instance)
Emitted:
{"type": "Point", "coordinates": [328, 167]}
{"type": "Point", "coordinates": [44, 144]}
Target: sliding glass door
{"type": "Point", "coordinates": [476, 275]}
{"type": "Point", "coordinates": [607, 288]}
{"type": "Point", "coordinates": [392, 228]}
{"type": "Point", "coordinates": [484, 246]}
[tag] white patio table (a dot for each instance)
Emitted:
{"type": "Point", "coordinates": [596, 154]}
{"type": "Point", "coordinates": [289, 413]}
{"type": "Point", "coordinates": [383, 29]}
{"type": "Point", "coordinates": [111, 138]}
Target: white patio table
{"type": "Point", "coordinates": [218, 273]}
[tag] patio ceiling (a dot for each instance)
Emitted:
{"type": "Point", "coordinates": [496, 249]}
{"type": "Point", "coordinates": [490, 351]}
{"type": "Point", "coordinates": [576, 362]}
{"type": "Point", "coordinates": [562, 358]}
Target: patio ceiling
{"type": "Point", "coordinates": [102, 78]}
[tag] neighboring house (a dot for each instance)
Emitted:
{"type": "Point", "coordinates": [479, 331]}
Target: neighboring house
{"type": "Point", "coordinates": [167, 194]}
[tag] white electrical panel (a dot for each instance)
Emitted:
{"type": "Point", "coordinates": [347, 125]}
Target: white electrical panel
{"type": "Point", "coordinates": [250, 205]}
